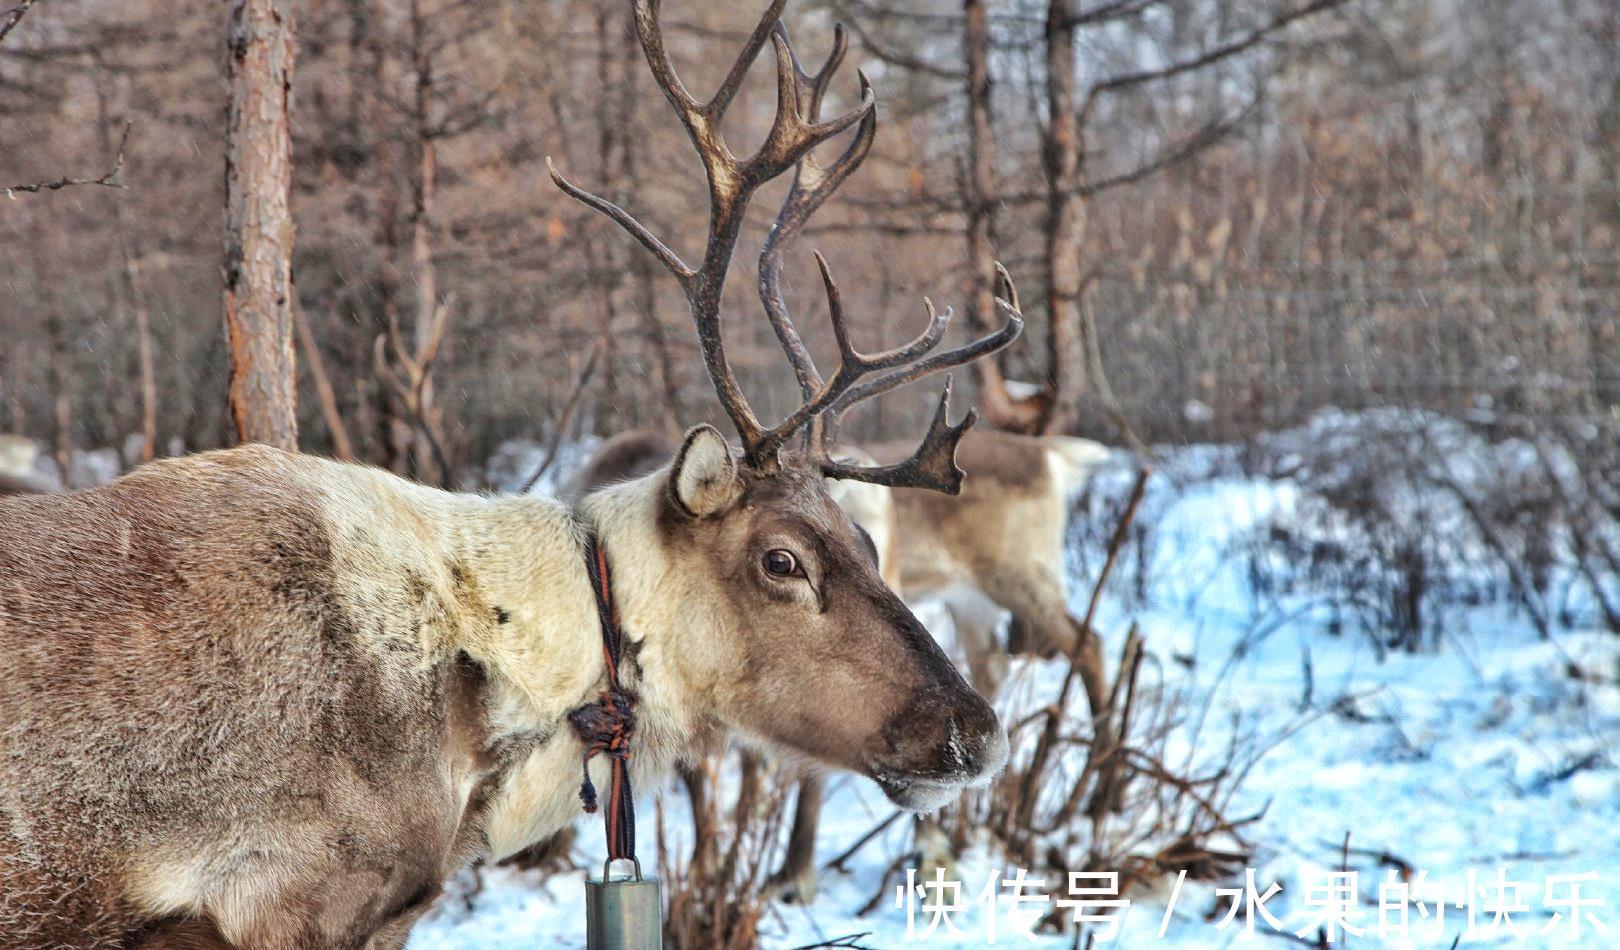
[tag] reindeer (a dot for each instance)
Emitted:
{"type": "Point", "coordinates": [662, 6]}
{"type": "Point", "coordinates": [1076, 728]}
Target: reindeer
{"type": "Point", "coordinates": [17, 456]}
{"type": "Point", "coordinates": [993, 554]}
{"type": "Point", "coordinates": [261, 699]}
{"type": "Point", "coordinates": [16, 485]}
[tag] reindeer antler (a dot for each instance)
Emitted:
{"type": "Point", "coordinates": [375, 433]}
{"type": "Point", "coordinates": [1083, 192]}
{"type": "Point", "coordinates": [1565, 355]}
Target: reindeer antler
{"type": "Point", "coordinates": [795, 132]}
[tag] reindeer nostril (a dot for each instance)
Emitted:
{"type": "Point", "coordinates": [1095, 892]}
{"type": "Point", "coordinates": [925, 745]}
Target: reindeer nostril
{"type": "Point", "coordinates": [994, 754]}
{"type": "Point", "coordinates": [981, 739]}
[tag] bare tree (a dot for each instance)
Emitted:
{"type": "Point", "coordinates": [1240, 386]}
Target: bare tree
{"type": "Point", "coordinates": [258, 224]}
{"type": "Point", "coordinates": [1001, 408]}
{"type": "Point", "coordinates": [1065, 222]}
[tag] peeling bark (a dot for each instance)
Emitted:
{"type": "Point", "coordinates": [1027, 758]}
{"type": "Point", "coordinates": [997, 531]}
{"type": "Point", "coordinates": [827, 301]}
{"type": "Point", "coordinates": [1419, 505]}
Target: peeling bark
{"type": "Point", "coordinates": [258, 224]}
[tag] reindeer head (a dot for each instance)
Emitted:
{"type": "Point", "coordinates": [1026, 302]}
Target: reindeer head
{"type": "Point", "coordinates": [813, 652]}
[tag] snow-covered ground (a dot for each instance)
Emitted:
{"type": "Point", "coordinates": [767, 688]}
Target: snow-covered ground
{"type": "Point", "coordinates": [1493, 751]}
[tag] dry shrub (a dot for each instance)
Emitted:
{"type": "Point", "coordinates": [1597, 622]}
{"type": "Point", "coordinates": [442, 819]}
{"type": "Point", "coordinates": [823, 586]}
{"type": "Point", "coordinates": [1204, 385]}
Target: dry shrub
{"type": "Point", "coordinates": [1122, 804]}
{"type": "Point", "coordinates": [716, 897]}
{"type": "Point", "coordinates": [1126, 804]}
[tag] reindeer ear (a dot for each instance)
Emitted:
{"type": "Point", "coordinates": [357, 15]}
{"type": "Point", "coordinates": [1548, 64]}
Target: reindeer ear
{"type": "Point", "coordinates": [704, 477]}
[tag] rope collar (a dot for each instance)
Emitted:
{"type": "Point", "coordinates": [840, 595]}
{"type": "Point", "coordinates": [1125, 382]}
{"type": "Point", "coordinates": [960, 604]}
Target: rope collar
{"type": "Point", "coordinates": [607, 725]}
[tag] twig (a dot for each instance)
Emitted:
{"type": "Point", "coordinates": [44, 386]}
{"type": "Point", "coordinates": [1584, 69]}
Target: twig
{"type": "Point", "coordinates": [1385, 859]}
{"type": "Point", "coordinates": [1227, 50]}
{"type": "Point", "coordinates": [889, 874]}
{"type": "Point", "coordinates": [848, 940]}
{"type": "Point", "coordinates": [12, 16]}
{"type": "Point", "coordinates": [411, 389]}
{"type": "Point", "coordinates": [109, 180]}
{"type": "Point", "coordinates": [564, 419]}
{"type": "Point", "coordinates": [1054, 712]}
{"type": "Point", "coordinates": [837, 864]}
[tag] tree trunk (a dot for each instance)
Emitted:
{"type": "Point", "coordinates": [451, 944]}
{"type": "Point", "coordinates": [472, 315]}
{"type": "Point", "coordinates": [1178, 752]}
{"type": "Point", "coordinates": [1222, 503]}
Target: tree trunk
{"type": "Point", "coordinates": [258, 224]}
{"type": "Point", "coordinates": [642, 266]}
{"type": "Point", "coordinates": [134, 285]}
{"type": "Point", "coordinates": [1065, 223]}
{"type": "Point", "coordinates": [424, 203]}
{"type": "Point", "coordinates": [1001, 409]}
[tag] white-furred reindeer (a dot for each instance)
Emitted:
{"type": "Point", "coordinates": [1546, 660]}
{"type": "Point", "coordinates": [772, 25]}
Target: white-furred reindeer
{"type": "Point", "coordinates": [260, 699]}
{"type": "Point", "coordinates": [17, 475]}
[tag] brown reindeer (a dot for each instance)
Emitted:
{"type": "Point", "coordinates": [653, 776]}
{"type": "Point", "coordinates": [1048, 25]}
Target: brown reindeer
{"type": "Point", "coordinates": [260, 699]}
{"type": "Point", "coordinates": [992, 554]}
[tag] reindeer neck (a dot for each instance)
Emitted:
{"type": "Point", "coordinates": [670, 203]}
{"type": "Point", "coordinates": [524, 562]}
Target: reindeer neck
{"type": "Point", "coordinates": [665, 607]}
{"type": "Point", "coordinates": [654, 605]}
{"type": "Point", "coordinates": [518, 563]}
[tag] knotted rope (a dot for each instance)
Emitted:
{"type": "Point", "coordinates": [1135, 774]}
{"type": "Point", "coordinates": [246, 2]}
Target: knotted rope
{"type": "Point", "coordinates": [607, 725]}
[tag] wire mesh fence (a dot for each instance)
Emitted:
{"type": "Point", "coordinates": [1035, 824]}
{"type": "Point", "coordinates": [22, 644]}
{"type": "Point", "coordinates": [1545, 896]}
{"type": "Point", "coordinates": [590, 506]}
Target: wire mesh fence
{"type": "Point", "coordinates": [1500, 344]}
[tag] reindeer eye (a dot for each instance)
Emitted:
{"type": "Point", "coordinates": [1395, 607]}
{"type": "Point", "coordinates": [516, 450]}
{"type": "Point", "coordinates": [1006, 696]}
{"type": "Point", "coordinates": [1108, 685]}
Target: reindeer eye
{"type": "Point", "coordinates": [782, 563]}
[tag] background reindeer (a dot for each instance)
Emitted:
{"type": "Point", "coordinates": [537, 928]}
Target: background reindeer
{"type": "Point", "coordinates": [262, 699]}
{"type": "Point", "coordinates": [17, 475]}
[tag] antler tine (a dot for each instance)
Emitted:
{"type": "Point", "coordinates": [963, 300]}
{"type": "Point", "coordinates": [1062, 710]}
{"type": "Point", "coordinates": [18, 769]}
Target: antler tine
{"type": "Point", "coordinates": [932, 466]}
{"type": "Point", "coordinates": [1009, 300]}
{"type": "Point", "coordinates": [812, 186]}
{"type": "Point", "coordinates": [852, 364]}
{"type": "Point", "coordinates": [650, 33]}
{"type": "Point", "coordinates": [827, 423]}
{"type": "Point", "coordinates": [966, 353]}
{"type": "Point", "coordinates": [793, 134]}
{"type": "Point", "coordinates": [769, 22]}
{"type": "Point", "coordinates": [812, 88]}
{"type": "Point", "coordinates": [625, 220]}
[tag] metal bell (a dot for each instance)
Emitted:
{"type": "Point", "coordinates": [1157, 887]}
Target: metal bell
{"type": "Point", "coordinates": [625, 913]}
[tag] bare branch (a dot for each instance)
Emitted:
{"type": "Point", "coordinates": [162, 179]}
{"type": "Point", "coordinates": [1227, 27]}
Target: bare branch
{"type": "Point", "coordinates": [1207, 58]}
{"type": "Point", "coordinates": [342, 447]}
{"type": "Point", "coordinates": [560, 425]}
{"type": "Point", "coordinates": [12, 17]}
{"type": "Point", "coordinates": [110, 180]}
{"type": "Point", "coordinates": [1210, 135]}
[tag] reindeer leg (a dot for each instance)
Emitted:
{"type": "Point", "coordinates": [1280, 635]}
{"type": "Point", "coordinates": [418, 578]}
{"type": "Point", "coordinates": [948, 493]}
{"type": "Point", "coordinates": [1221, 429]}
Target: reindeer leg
{"type": "Point", "coordinates": [795, 882]}
{"type": "Point", "coordinates": [977, 621]}
{"type": "Point", "coordinates": [1041, 620]}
